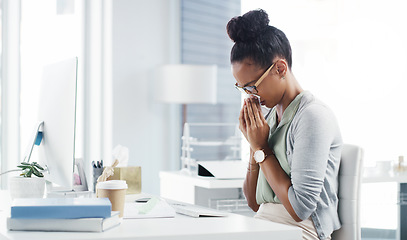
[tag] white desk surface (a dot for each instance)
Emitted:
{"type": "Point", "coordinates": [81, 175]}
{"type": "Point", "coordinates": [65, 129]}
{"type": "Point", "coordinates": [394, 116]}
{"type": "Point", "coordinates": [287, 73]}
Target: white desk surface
{"type": "Point", "coordinates": [179, 228]}
{"type": "Point", "coordinates": [380, 177]}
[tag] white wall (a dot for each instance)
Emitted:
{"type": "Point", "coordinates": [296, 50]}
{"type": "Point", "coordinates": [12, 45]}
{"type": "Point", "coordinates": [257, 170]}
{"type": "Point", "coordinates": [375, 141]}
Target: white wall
{"type": "Point", "coordinates": [145, 35]}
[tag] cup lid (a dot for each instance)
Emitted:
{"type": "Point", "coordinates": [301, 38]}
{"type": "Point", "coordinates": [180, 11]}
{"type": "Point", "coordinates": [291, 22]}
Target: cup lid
{"type": "Point", "coordinates": [112, 184]}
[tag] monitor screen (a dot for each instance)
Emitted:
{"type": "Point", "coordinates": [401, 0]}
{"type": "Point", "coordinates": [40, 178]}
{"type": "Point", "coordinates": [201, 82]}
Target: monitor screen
{"type": "Point", "coordinates": [57, 111]}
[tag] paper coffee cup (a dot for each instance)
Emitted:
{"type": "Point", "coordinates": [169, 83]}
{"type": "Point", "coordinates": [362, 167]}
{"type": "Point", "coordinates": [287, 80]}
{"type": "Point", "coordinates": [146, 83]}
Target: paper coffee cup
{"type": "Point", "coordinates": [115, 190]}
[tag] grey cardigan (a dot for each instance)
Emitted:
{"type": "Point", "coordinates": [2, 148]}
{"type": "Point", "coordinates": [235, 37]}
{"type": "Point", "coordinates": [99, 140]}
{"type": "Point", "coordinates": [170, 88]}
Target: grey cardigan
{"type": "Point", "coordinates": [314, 145]}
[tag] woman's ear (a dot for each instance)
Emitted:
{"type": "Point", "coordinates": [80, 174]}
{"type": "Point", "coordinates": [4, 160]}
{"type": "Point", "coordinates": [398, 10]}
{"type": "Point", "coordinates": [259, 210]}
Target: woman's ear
{"type": "Point", "coordinates": [281, 67]}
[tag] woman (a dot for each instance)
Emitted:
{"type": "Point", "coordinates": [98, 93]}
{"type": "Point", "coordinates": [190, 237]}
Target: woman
{"type": "Point", "coordinates": [292, 175]}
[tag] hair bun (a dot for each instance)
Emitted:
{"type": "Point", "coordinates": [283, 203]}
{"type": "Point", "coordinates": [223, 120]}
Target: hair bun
{"type": "Point", "coordinates": [247, 27]}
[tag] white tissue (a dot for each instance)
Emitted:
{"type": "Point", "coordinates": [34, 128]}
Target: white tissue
{"type": "Point", "coordinates": [264, 110]}
{"type": "Point", "coordinates": [121, 153]}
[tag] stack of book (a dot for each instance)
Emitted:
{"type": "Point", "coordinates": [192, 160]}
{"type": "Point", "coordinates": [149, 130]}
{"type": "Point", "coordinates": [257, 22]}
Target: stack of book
{"type": "Point", "coordinates": [62, 214]}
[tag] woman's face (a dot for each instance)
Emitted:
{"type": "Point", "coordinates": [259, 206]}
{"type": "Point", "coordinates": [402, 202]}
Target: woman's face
{"type": "Point", "coordinates": [271, 90]}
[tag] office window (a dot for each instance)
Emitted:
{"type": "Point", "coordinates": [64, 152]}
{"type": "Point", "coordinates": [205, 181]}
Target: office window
{"type": "Point", "coordinates": [351, 41]}
{"type": "Point", "coordinates": [204, 41]}
{"type": "Point", "coordinates": [1, 65]}
{"type": "Point", "coordinates": [51, 30]}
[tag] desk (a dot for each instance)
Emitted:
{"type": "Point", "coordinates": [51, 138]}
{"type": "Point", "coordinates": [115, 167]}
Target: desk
{"type": "Point", "coordinates": [179, 228]}
{"type": "Point", "coordinates": [401, 181]}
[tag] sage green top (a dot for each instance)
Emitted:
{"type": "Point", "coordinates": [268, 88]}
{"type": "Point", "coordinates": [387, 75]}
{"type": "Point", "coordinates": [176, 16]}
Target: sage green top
{"type": "Point", "coordinates": [277, 142]}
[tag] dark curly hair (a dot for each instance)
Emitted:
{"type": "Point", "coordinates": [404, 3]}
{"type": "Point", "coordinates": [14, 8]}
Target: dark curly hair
{"type": "Point", "coordinates": [255, 39]}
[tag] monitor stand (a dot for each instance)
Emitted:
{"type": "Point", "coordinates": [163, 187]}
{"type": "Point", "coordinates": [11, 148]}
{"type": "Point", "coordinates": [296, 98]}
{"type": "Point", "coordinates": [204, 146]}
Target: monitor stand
{"type": "Point", "coordinates": [80, 186]}
{"type": "Point", "coordinates": [56, 192]}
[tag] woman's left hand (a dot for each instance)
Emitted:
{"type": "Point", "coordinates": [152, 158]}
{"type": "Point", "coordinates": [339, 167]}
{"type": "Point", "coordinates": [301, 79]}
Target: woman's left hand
{"type": "Point", "coordinates": [257, 129]}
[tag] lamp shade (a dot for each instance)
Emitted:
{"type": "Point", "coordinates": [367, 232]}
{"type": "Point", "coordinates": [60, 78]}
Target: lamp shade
{"type": "Point", "coordinates": [186, 83]}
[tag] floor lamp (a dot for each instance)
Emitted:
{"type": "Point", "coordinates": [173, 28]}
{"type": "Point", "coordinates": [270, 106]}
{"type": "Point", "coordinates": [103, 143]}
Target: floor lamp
{"type": "Point", "coordinates": [187, 84]}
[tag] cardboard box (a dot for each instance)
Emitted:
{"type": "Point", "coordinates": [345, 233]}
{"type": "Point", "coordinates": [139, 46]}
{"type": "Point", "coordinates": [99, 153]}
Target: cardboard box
{"type": "Point", "coordinates": [132, 175]}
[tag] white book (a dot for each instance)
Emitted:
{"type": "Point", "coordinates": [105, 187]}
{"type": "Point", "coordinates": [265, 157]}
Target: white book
{"type": "Point", "coordinates": [65, 225]}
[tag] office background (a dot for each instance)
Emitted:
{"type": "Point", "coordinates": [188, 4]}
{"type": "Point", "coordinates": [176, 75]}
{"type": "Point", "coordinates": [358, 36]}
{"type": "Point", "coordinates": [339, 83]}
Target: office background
{"type": "Point", "coordinates": [351, 54]}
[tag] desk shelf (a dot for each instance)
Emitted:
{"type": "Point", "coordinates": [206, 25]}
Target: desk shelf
{"type": "Point", "coordinates": [221, 194]}
{"type": "Point", "coordinates": [229, 205]}
{"type": "Point", "coordinates": [210, 142]}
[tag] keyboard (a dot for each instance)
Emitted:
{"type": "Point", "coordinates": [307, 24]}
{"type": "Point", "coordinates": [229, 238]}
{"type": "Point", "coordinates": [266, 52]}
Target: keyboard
{"type": "Point", "coordinates": [196, 211]}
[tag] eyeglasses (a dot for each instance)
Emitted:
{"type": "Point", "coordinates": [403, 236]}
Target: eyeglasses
{"type": "Point", "coordinates": [253, 88]}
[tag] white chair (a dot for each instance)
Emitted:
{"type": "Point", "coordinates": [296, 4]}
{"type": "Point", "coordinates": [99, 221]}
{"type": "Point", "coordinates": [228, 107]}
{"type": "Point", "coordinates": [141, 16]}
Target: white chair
{"type": "Point", "coordinates": [350, 174]}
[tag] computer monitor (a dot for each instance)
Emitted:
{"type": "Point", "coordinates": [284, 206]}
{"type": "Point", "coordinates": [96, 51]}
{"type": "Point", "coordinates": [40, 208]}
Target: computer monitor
{"type": "Point", "coordinates": [57, 123]}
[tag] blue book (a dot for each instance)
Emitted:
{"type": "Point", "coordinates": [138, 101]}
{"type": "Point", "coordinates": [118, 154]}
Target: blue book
{"type": "Point", "coordinates": [66, 208]}
{"type": "Point", "coordinates": [64, 225]}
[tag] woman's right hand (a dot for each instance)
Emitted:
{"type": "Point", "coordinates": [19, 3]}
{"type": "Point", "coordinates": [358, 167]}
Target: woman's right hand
{"type": "Point", "coordinates": [243, 116]}
{"type": "Point", "coordinates": [242, 122]}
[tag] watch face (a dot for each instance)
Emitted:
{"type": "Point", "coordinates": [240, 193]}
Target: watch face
{"type": "Point", "coordinates": [259, 156]}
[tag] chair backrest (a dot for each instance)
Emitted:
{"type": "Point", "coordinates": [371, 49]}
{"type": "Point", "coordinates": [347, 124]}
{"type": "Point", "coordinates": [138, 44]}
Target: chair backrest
{"type": "Point", "coordinates": [350, 174]}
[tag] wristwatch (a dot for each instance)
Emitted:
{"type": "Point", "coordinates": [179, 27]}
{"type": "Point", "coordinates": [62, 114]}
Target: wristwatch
{"type": "Point", "coordinates": [259, 156]}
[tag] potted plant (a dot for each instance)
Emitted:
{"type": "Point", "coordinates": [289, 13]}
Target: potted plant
{"type": "Point", "coordinates": [30, 183]}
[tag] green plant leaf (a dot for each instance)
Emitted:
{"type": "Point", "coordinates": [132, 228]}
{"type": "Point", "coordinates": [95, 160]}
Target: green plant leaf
{"type": "Point", "coordinates": [37, 173]}
{"type": "Point", "coordinates": [31, 168]}
{"type": "Point", "coordinates": [38, 166]}
{"type": "Point", "coordinates": [23, 167]}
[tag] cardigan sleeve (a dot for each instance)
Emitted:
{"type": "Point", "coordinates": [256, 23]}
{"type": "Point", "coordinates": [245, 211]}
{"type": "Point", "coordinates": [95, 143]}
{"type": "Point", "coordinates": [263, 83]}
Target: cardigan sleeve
{"type": "Point", "coordinates": [312, 135]}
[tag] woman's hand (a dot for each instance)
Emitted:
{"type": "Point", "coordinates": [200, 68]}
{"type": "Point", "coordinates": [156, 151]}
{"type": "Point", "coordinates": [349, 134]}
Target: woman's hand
{"type": "Point", "coordinates": [253, 125]}
{"type": "Point", "coordinates": [242, 121]}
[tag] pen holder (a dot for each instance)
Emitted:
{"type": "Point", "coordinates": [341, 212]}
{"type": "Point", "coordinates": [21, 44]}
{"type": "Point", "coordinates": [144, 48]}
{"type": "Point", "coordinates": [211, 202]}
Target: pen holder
{"type": "Point", "coordinates": [96, 173]}
{"type": "Point", "coordinates": [132, 176]}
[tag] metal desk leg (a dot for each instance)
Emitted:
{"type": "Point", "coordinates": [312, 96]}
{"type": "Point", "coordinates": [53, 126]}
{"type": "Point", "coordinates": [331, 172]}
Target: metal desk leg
{"type": "Point", "coordinates": [403, 210]}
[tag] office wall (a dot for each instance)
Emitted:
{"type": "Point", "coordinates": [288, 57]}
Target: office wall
{"type": "Point", "coordinates": [144, 37]}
